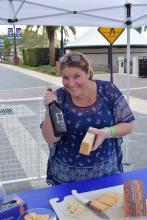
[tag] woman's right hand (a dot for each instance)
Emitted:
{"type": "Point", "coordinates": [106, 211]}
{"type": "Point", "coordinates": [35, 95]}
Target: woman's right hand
{"type": "Point", "coordinates": [49, 97]}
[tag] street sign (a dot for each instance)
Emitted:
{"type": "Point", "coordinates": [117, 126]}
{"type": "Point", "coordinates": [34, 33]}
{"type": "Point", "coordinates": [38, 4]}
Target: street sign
{"type": "Point", "coordinates": [18, 33]}
{"type": "Point", "coordinates": [110, 34]}
{"type": "Point", "coordinates": [10, 33]}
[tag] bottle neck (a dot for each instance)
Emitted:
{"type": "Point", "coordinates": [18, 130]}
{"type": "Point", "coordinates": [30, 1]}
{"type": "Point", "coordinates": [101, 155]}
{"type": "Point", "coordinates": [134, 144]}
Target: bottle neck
{"type": "Point", "coordinates": [54, 103]}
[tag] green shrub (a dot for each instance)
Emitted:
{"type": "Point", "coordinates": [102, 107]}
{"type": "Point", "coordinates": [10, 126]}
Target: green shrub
{"type": "Point", "coordinates": [37, 56]}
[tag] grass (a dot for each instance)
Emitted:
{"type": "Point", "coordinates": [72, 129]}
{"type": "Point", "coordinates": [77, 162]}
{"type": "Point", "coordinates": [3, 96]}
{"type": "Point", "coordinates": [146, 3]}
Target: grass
{"type": "Point", "coordinates": [50, 70]}
{"type": "Point", "coordinates": [100, 71]}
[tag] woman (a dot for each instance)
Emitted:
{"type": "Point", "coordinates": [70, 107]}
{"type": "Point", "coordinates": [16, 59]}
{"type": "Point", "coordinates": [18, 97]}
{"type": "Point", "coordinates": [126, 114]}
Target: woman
{"type": "Point", "coordinates": [86, 103]}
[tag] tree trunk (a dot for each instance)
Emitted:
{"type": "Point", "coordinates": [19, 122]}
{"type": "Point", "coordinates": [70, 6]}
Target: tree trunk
{"type": "Point", "coordinates": [51, 36]}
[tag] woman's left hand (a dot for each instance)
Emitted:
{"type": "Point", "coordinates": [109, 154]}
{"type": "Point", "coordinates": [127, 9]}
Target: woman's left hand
{"type": "Point", "coordinates": [101, 135]}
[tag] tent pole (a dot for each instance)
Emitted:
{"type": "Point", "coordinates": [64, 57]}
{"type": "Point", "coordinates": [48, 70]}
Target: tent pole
{"type": "Point", "coordinates": [126, 162]}
{"type": "Point", "coordinates": [128, 23]}
{"type": "Point", "coordinates": [128, 64]}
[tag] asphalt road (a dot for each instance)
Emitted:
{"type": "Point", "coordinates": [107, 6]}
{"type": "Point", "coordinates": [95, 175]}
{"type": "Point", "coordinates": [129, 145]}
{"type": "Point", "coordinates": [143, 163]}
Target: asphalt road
{"type": "Point", "coordinates": [15, 84]}
{"type": "Point", "coordinates": [12, 79]}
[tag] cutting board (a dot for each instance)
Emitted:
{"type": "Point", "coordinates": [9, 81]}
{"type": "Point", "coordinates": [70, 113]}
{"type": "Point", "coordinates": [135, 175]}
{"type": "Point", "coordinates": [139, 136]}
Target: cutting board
{"type": "Point", "coordinates": [116, 212]}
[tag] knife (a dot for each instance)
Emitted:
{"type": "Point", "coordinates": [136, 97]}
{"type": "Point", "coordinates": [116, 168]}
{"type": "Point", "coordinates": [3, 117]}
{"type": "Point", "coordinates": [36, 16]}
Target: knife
{"type": "Point", "coordinates": [9, 203]}
{"type": "Point", "coordinates": [87, 202]}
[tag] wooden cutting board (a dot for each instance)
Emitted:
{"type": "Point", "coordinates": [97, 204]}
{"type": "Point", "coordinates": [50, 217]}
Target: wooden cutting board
{"type": "Point", "coordinates": [115, 213]}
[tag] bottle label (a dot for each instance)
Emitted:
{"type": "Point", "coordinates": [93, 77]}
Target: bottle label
{"type": "Point", "coordinates": [59, 117]}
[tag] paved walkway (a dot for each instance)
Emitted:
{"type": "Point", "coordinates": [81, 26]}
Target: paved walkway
{"type": "Point", "coordinates": [135, 145]}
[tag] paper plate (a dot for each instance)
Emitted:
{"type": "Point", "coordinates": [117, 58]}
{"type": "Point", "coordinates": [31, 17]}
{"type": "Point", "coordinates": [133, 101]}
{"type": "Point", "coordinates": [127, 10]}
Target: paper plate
{"type": "Point", "coordinates": [39, 211]}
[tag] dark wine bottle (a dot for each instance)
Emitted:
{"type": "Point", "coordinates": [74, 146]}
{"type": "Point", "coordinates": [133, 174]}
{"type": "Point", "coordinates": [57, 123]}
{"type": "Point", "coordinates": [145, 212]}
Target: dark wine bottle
{"type": "Point", "coordinates": [57, 118]}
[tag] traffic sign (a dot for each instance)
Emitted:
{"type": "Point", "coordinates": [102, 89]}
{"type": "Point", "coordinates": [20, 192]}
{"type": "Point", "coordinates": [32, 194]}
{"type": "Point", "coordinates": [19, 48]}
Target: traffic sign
{"type": "Point", "coordinates": [10, 33]}
{"type": "Point", "coordinates": [110, 34]}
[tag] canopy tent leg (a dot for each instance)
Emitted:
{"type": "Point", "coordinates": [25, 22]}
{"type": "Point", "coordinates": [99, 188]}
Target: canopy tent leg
{"type": "Point", "coordinates": [128, 7]}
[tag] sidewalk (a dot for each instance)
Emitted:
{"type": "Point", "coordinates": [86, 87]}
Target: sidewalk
{"type": "Point", "coordinates": [137, 104]}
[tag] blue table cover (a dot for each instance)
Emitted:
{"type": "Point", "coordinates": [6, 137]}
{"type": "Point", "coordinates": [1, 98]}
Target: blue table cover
{"type": "Point", "coordinates": [39, 198]}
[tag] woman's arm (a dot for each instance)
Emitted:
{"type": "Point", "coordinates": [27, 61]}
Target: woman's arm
{"type": "Point", "coordinates": [119, 130]}
{"type": "Point", "coordinates": [47, 130]}
{"type": "Point", "coordinates": [123, 129]}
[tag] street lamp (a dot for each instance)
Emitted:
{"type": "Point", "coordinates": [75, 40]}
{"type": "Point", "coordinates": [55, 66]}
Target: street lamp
{"type": "Point", "coordinates": [14, 35]}
{"type": "Point", "coordinates": [62, 42]}
{"type": "Point", "coordinates": [16, 59]}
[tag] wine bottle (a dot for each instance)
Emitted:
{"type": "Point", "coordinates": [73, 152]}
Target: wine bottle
{"type": "Point", "coordinates": [57, 118]}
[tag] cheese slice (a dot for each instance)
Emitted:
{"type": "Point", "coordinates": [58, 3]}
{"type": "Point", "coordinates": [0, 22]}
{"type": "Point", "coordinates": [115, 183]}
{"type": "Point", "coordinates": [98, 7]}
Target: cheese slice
{"type": "Point", "coordinates": [98, 206]}
{"type": "Point", "coordinates": [104, 201]}
{"type": "Point", "coordinates": [87, 143]}
{"type": "Point", "coordinates": [108, 199]}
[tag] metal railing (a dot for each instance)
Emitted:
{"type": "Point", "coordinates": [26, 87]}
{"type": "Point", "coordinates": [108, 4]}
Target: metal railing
{"type": "Point", "coordinates": [23, 151]}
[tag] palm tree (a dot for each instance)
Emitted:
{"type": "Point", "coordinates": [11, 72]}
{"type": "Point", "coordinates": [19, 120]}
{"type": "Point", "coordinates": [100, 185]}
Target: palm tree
{"type": "Point", "coordinates": [33, 39]}
{"type": "Point", "coordinates": [51, 36]}
{"type": "Point", "coordinates": [50, 31]}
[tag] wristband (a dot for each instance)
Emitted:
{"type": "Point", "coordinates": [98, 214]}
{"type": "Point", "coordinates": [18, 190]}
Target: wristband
{"type": "Point", "coordinates": [112, 131]}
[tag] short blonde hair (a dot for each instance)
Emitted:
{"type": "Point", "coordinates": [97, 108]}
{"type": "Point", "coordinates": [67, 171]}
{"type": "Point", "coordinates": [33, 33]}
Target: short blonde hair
{"type": "Point", "coordinates": [72, 60]}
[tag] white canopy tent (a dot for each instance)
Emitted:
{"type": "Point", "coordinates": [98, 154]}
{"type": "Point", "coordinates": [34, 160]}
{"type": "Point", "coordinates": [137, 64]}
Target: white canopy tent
{"type": "Point", "coordinates": [112, 13]}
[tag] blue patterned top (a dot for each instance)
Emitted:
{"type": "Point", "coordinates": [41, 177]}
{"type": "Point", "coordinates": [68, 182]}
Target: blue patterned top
{"type": "Point", "coordinates": [67, 164]}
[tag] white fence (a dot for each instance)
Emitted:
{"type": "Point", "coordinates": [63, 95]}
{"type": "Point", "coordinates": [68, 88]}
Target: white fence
{"type": "Point", "coordinates": [23, 151]}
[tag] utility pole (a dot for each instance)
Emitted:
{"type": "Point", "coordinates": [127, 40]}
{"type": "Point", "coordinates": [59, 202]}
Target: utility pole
{"type": "Point", "coordinates": [16, 59]}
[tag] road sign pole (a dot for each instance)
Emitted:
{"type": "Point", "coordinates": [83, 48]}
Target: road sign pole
{"type": "Point", "coordinates": [110, 63]}
{"type": "Point", "coordinates": [111, 35]}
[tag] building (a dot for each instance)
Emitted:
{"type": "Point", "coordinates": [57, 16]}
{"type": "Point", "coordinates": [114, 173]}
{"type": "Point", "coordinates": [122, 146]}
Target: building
{"type": "Point", "coordinates": [96, 47]}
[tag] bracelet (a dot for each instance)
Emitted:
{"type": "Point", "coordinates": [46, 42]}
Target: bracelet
{"type": "Point", "coordinates": [112, 131]}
